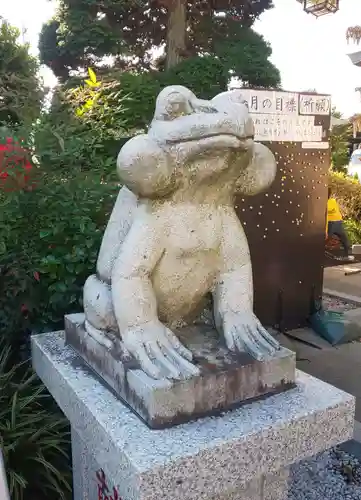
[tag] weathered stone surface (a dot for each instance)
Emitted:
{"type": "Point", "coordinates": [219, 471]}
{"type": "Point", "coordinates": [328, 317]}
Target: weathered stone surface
{"type": "Point", "coordinates": [207, 459]}
{"type": "Point", "coordinates": [174, 237]}
{"type": "Point", "coordinates": [226, 379]}
{"type": "Point", "coordinates": [93, 480]}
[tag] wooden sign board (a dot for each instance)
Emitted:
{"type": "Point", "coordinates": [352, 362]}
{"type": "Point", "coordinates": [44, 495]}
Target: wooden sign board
{"type": "Point", "coordinates": [285, 225]}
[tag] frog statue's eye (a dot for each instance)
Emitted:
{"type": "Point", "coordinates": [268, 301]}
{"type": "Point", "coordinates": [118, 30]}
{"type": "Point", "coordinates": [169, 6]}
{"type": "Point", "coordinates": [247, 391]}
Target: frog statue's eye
{"type": "Point", "coordinates": [177, 106]}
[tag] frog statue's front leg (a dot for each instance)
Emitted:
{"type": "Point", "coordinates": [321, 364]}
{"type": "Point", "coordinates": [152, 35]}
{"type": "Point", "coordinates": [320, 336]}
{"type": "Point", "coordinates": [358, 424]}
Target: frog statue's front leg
{"type": "Point", "coordinates": [233, 295]}
{"type": "Point", "coordinates": [157, 349]}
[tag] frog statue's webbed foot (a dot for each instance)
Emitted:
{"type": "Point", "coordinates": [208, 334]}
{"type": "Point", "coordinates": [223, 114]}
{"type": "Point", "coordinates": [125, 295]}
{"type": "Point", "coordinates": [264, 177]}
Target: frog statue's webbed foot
{"type": "Point", "coordinates": [159, 352]}
{"type": "Point", "coordinates": [243, 332]}
{"type": "Point", "coordinates": [156, 348]}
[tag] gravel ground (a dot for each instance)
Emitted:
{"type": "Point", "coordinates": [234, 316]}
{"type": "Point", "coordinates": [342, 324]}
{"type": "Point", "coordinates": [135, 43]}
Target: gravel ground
{"type": "Point", "coordinates": [336, 304]}
{"type": "Point", "coordinates": [332, 475]}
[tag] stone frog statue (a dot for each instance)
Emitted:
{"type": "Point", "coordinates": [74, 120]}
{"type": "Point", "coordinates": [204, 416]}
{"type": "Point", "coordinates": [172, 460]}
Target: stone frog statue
{"type": "Point", "coordinates": [173, 236]}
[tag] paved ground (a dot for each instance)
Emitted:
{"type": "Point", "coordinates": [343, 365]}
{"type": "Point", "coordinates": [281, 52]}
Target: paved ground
{"type": "Point", "coordinates": [335, 279]}
{"type": "Point", "coordinates": [357, 431]}
{"type": "Point", "coordinates": [339, 366]}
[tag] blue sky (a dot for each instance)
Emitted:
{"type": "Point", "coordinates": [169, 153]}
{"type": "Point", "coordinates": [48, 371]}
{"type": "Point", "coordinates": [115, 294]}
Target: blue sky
{"type": "Point", "coordinates": [309, 52]}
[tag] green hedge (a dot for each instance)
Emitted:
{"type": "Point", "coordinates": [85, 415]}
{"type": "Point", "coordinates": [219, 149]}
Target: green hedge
{"type": "Point", "coordinates": [49, 241]}
{"type": "Point", "coordinates": [347, 191]}
{"type": "Point", "coordinates": [348, 194]}
{"type": "Point", "coordinates": [50, 238]}
{"type": "Point", "coordinates": [34, 434]}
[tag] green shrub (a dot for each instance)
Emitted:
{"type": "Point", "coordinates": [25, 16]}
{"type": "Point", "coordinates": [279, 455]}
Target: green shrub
{"type": "Point", "coordinates": [84, 128]}
{"type": "Point", "coordinates": [50, 235]}
{"type": "Point", "coordinates": [50, 238]}
{"type": "Point", "coordinates": [34, 435]}
{"type": "Point", "coordinates": [348, 194]}
{"type": "Point", "coordinates": [49, 241]}
{"type": "Point", "coordinates": [139, 92]}
{"type": "Point", "coordinates": [21, 92]}
{"type": "Point", "coordinates": [339, 142]}
{"type": "Point", "coordinates": [353, 229]}
{"type": "Point", "coordinates": [205, 76]}
{"type": "Point", "coordinates": [347, 191]}
{"type": "Point", "coordinates": [122, 105]}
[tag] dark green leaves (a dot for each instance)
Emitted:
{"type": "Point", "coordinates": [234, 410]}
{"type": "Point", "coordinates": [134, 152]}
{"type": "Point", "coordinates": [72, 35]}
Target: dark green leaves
{"type": "Point", "coordinates": [34, 435]}
{"type": "Point", "coordinates": [20, 90]}
{"type": "Point", "coordinates": [339, 140]}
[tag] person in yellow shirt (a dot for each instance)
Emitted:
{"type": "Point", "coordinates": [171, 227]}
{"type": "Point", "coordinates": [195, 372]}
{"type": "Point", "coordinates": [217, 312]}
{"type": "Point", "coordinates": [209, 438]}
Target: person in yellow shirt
{"type": "Point", "coordinates": [335, 225]}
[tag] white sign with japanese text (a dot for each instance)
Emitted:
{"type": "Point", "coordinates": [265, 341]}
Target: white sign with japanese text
{"type": "Point", "coordinates": [286, 128]}
{"type": "Point", "coordinates": [271, 101]}
{"type": "Point", "coordinates": [287, 116]}
{"type": "Point", "coordinates": [315, 104]}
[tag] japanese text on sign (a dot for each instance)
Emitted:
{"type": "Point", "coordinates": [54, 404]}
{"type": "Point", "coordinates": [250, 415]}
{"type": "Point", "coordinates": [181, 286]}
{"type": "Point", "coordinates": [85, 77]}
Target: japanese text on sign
{"type": "Point", "coordinates": [273, 102]}
{"type": "Point", "coordinates": [104, 491]}
{"type": "Point", "coordinates": [286, 128]}
{"type": "Point", "coordinates": [315, 104]}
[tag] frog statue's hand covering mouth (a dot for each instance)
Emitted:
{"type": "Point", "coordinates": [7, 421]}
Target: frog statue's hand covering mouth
{"type": "Point", "coordinates": [184, 128]}
{"type": "Point", "coordinates": [221, 123]}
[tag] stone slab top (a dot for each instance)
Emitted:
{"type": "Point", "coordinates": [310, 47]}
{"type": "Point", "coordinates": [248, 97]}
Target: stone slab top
{"type": "Point", "coordinates": [258, 438]}
{"type": "Point", "coordinates": [226, 380]}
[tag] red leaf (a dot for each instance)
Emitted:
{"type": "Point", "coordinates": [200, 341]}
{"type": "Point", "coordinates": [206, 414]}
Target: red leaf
{"type": "Point", "coordinates": [36, 275]}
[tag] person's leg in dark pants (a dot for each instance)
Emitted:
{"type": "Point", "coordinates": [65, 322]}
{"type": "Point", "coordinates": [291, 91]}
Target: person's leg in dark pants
{"type": "Point", "coordinates": [337, 228]}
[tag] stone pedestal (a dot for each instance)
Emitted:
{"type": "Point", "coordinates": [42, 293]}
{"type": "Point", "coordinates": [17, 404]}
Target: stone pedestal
{"type": "Point", "coordinates": [226, 380]}
{"type": "Point", "coordinates": [242, 455]}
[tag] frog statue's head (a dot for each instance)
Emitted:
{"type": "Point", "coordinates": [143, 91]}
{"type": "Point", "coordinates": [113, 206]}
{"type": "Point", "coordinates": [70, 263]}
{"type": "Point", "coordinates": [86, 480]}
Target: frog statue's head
{"type": "Point", "coordinates": [191, 142]}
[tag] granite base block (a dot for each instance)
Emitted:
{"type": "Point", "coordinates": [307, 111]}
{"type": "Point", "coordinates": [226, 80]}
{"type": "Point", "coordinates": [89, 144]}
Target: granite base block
{"type": "Point", "coordinates": [226, 381]}
{"type": "Point", "coordinates": [91, 482]}
{"type": "Point", "coordinates": [221, 458]}
{"type": "Point", "coordinates": [82, 468]}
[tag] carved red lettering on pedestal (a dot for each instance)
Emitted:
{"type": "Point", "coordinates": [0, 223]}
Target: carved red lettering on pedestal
{"type": "Point", "coordinates": [104, 492]}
